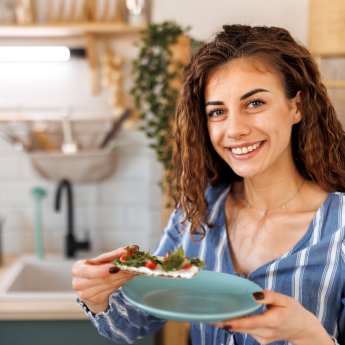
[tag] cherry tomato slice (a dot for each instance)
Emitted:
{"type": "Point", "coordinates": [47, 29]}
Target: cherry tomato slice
{"type": "Point", "coordinates": [150, 264]}
{"type": "Point", "coordinates": [167, 256]}
{"type": "Point", "coordinates": [128, 252]}
{"type": "Point", "coordinates": [123, 258]}
{"type": "Point", "coordinates": [186, 267]}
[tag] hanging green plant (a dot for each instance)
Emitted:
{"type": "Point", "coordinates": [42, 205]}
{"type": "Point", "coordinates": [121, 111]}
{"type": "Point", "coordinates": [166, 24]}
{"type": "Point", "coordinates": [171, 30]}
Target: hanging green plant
{"type": "Point", "coordinates": [154, 96]}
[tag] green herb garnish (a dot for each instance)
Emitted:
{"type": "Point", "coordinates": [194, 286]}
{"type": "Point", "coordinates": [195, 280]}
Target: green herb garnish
{"type": "Point", "coordinates": [138, 260]}
{"type": "Point", "coordinates": [174, 263]}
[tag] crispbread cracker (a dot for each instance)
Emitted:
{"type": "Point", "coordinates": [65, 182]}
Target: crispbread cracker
{"type": "Point", "coordinates": [181, 274]}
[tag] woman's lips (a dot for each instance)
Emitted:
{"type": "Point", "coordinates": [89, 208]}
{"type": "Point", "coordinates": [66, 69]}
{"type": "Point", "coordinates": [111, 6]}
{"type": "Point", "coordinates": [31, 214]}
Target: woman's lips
{"type": "Point", "coordinates": [248, 155]}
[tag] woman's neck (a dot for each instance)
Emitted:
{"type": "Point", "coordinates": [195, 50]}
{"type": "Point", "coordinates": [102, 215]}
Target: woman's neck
{"type": "Point", "coordinates": [272, 188]}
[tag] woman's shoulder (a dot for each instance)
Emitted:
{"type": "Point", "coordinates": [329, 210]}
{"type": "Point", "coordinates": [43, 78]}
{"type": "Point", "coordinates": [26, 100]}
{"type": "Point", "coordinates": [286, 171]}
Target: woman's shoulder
{"type": "Point", "coordinates": [332, 213]}
{"type": "Point", "coordinates": [216, 193]}
{"type": "Point", "coordinates": [336, 202]}
{"type": "Point", "coordinates": [214, 196]}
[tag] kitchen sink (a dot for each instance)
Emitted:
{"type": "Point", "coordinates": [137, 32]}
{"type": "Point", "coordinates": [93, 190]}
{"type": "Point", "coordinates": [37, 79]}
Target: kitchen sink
{"type": "Point", "coordinates": [32, 279]}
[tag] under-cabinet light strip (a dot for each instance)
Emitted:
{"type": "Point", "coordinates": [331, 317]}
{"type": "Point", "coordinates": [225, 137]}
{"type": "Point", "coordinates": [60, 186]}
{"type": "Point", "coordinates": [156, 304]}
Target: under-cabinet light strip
{"type": "Point", "coordinates": [34, 54]}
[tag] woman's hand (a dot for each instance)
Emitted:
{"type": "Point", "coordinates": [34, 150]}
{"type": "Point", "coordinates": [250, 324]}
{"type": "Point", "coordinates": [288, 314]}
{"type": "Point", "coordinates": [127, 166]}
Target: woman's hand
{"type": "Point", "coordinates": [94, 280]}
{"type": "Point", "coordinates": [284, 319]}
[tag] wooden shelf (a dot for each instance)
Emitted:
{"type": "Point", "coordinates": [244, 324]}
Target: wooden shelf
{"type": "Point", "coordinates": [334, 84]}
{"type": "Point", "coordinates": [67, 29]}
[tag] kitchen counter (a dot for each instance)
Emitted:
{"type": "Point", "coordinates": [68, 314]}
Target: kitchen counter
{"type": "Point", "coordinates": [37, 310]}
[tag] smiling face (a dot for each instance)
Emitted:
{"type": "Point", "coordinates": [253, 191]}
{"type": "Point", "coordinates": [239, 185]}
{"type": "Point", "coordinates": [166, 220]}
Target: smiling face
{"type": "Point", "coordinates": [250, 120]}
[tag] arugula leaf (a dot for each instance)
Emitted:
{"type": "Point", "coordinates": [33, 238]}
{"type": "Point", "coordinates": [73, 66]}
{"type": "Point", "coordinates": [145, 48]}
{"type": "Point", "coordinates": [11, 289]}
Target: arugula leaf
{"type": "Point", "coordinates": [174, 263]}
{"type": "Point", "coordinates": [197, 262]}
{"type": "Point", "coordinates": [138, 260]}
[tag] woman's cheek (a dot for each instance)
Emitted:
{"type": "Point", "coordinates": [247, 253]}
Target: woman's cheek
{"type": "Point", "coordinates": [216, 133]}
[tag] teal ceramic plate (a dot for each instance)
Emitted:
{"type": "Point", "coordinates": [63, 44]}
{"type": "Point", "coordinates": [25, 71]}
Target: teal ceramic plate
{"type": "Point", "coordinates": [208, 297]}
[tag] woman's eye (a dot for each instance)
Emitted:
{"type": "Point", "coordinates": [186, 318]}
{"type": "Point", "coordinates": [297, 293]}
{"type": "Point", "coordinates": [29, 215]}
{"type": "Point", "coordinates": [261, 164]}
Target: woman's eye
{"type": "Point", "coordinates": [255, 104]}
{"type": "Point", "coordinates": [216, 113]}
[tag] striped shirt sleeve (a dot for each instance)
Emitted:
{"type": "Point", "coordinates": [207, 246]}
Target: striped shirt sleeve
{"type": "Point", "coordinates": [122, 322]}
{"type": "Point", "coordinates": [173, 235]}
{"type": "Point", "coordinates": [341, 337]}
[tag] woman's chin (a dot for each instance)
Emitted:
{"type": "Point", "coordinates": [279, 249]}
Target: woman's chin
{"type": "Point", "coordinates": [247, 172]}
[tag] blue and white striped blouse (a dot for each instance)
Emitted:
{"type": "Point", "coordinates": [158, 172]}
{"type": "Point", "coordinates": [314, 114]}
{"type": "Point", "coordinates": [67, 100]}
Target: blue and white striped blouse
{"type": "Point", "coordinates": [313, 272]}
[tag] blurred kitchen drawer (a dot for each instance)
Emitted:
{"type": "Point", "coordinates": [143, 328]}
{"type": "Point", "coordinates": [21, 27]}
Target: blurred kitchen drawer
{"type": "Point", "coordinates": [55, 333]}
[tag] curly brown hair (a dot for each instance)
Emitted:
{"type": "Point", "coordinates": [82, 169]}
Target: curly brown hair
{"type": "Point", "coordinates": [318, 144]}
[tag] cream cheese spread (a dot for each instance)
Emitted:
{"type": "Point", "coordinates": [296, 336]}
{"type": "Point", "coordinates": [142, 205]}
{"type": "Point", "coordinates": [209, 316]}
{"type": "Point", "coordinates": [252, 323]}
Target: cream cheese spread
{"type": "Point", "coordinates": [183, 273]}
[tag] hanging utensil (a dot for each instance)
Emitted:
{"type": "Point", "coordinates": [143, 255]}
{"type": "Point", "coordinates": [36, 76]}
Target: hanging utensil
{"type": "Point", "coordinates": [38, 194]}
{"type": "Point", "coordinates": [8, 134]}
{"type": "Point", "coordinates": [38, 129]}
{"type": "Point", "coordinates": [68, 146]}
{"type": "Point", "coordinates": [116, 127]}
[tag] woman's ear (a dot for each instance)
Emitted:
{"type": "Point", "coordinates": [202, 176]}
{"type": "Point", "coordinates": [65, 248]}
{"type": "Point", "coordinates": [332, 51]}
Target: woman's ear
{"type": "Point", "coordinates": [297, 107]}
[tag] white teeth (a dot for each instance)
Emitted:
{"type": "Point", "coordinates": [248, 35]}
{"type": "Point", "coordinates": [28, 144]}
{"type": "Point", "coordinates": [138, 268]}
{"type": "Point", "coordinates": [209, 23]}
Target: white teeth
{"type": "Point", "coordinates": [244, 150]}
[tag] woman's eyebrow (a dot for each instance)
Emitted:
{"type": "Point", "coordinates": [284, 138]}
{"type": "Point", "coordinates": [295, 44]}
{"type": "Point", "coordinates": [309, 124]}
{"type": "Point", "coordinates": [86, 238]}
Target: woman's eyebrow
{"type": "Point", "coordinates": [251, 93]}
{"type": "Point", "coordinates": [246, 95]}
{"type": "Point", "coordinates": [214, 103]}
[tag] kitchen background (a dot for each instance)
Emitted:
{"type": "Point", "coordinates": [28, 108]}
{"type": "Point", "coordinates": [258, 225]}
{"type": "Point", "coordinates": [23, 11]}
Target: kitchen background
{"type": "Point", "coordinates": [126, 207]}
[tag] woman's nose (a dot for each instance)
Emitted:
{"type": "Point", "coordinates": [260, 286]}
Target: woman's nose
{"type": "Point", "coordinates": [237, 126]}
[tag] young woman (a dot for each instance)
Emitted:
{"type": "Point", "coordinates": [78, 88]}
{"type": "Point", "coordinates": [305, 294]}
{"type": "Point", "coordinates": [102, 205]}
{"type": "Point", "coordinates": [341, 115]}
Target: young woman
{"type": "Point", "coordinates": [260, 174]}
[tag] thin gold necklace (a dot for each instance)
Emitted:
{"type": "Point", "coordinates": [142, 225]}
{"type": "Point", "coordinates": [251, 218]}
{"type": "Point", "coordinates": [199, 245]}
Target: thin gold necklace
{"type": "Point", "coordinates": [273, 208]}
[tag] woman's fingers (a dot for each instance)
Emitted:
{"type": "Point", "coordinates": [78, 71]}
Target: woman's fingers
{"type": "Point", "coordinates": [94, 293]}
{"type": "Point", "coordinates": [271, 298]}
{"type": "Point", "coordinates": [86, 271]}
{"type": "Point", "coordinates": [268, 319]}
{"type": "Point", "coordinates": [252, 322]}
{"type": "Point", "coordinates": [95, 280]}
{"type": "Point", "coordinates": [111, 256]}
{"type": "Point", "coordinates": [112, 279]}
{"type": "Point", "coordinates": [97, 292]}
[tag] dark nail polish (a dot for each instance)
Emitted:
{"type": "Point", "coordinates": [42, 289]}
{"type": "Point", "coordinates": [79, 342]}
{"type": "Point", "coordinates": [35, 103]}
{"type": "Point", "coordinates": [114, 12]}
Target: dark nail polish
{"type": "Point", "coordinates": [113, 270]}
{"type": "Point", "coordinates": [228, 328]}
{"type": "Point", "coordinates": [258, 295]}
{"type": "Point", "coordinates": [135, 245]}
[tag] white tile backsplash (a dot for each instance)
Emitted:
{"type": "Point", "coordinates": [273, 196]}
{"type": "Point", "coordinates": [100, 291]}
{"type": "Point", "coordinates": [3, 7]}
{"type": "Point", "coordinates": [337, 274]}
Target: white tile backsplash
{"type": "Point", "coordinates": [124, 194]}
{"type": "Point", "coordinates": [18, 219]}
{"type": "Point", "coordinates": [112, 240]}
{"type": "Point", "coordinates": [18, 242]}
{"type": "Point", "coordinates": [125, 209]}
{"type": "Point", "coordinates": [9, 167]}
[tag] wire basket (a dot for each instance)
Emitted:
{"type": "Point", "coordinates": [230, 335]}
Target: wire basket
{"type": "Point", "coordinates": [82, 167]}
{"type": "Point", "coordinates": [43, 141]}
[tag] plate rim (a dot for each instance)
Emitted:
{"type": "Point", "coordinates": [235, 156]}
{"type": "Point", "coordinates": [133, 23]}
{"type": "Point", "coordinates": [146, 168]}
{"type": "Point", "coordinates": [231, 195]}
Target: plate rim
{"type": "Point", "coordinates": [193, 317]}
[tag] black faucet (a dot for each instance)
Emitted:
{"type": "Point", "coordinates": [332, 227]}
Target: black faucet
{"type": "Point", "coordinates": [71, 244]}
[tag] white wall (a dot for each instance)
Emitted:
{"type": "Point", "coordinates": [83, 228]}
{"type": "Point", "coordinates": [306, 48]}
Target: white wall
{"type": "Point", "coordinates": [207, 16]}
